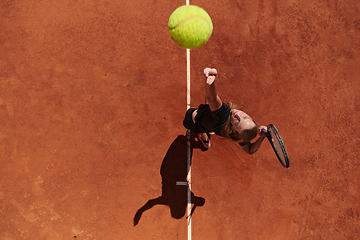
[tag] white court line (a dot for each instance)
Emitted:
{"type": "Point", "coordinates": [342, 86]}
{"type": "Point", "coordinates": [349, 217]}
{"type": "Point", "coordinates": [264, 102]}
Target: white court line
{"type": "Point", "coordinates": [181, 183]}
{"type": "Point", "coordinates": [188, 147]}
{"type": "Point", "coordinates": [188, 138]}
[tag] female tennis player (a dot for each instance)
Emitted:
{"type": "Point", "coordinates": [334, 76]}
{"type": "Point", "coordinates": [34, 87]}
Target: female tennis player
{"type": "Point", "coordinates": [222, 119]}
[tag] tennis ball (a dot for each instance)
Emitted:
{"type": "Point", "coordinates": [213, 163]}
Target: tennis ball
{"type": "Point", "coordinates": [190, 26]}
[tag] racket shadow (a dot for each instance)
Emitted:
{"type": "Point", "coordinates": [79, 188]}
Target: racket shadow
{"type": "Point", "coordinates": [174, 171]}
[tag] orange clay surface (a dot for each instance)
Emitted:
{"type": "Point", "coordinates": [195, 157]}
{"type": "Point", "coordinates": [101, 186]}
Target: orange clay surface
{"type": "Point", "coordinates": [92, 98]}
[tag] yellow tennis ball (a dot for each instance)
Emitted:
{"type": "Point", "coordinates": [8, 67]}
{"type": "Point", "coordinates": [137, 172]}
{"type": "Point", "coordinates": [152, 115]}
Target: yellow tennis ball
{"type": "Point", "coordinates": [190, 26]}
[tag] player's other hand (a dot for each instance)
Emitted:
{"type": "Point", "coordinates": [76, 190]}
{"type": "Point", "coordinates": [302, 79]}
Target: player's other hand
{"type": "Point", "coordinates": [210, 75]}
{"type": "Point", "coordinates": [263, 130]}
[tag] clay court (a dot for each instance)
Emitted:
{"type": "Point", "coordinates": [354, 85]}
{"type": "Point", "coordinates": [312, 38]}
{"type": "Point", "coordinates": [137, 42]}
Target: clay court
{"type": "Point", "coordinates": [92, 99]}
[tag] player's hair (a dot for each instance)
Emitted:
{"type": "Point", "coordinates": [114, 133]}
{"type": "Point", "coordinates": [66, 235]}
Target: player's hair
{"type": "Point", "coordinates": [245, 135]}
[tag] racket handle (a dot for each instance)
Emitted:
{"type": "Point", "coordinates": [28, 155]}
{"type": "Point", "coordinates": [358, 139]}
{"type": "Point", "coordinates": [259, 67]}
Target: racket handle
{"type": "Point", "coordinates": [266, 133]}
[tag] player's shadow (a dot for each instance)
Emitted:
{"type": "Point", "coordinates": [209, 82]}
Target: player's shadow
{"type": "Point", "coordinates": [174, 170]}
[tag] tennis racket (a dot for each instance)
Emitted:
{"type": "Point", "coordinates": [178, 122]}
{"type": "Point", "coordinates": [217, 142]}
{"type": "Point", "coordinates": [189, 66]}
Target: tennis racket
{"type": "Point", "coordinates": [278, 145]}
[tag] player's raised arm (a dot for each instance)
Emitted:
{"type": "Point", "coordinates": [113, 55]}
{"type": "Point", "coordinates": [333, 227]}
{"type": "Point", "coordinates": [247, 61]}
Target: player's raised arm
{"type": "Point", "coordinates": [211, 96]}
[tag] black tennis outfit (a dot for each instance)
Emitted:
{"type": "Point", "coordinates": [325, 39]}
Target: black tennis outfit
{"type": "Point", "coordinates": [206, 120]}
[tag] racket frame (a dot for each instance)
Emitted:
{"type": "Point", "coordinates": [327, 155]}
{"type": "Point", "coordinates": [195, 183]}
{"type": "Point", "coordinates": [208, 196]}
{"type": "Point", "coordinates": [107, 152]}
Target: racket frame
{"type": "Point", "coordinates": [272, 128]}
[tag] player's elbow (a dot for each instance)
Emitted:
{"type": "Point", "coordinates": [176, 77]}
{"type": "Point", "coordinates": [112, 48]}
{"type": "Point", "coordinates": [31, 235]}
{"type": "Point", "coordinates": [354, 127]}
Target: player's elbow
{"type": "Point", "coordinates": [247, 150]}
{"type": "Point", "coordinates": [252, 150]}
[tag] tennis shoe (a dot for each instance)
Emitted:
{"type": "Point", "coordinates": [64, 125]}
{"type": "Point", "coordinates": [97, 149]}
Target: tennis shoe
{"type": "Point", "coordinates": [206, 144]}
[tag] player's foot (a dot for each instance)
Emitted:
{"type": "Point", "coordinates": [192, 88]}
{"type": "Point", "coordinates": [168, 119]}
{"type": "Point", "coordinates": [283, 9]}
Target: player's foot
{"type": "Point", "coordinates": [204, 139]}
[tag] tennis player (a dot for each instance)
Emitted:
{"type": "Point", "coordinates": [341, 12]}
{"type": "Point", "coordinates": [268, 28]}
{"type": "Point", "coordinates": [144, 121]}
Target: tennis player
{"type": "Point", "coordinates": [216, 117]}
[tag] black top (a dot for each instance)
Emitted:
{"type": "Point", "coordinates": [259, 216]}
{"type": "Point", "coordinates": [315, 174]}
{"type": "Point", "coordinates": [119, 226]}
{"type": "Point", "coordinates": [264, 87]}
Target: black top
{"type": "Point", "coordinates": [207, 120]}
{"type": "Point", "coordinates": [211, 121]}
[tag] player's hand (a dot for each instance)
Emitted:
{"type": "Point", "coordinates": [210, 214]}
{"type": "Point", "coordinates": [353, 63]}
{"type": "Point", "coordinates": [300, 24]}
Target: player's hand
{"type": "Point", "coordinates": [263, 130]}
{"type": "Point", "coordinates": [210, 74]}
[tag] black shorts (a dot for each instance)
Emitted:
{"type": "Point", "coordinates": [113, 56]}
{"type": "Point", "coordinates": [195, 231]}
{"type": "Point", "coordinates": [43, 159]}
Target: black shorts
{"type": "Point", "coordinates": [189, 124]}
